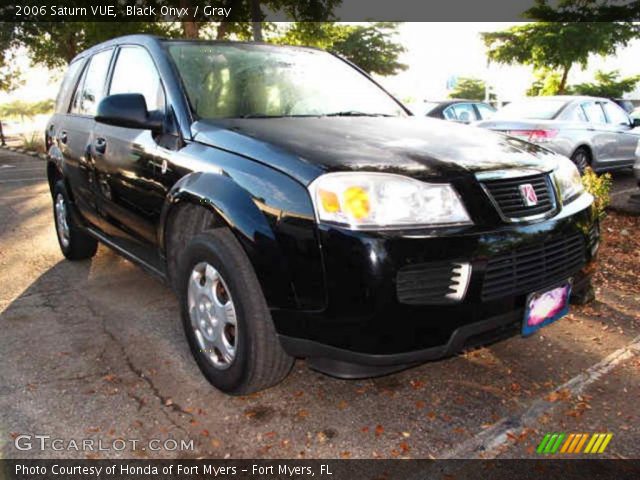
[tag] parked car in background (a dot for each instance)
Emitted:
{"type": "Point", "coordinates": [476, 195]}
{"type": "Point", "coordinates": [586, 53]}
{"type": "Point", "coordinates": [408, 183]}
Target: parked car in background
{"type": "Point", "coordinates": [626, 105]}
{"type": "Point", "coordinates": [455, 110]}
{"type": "Point", "coordinates": [591, 131]}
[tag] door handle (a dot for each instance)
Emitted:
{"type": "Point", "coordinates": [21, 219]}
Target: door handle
{"type": "Point", "coordinates": [63, 137]}
{"type": "Point", "coordinates": [100, 145]}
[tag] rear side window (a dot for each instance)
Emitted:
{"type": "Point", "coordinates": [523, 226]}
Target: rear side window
{"type": "Point", "coordinates": [594, 112]}
{"type": "Point", "coordinates": [575, 113]}
{"type": "Point", "coordinates": [68, 82]}
{"type": "Point", "coordinates": [91, 88]}
{"type": "Point", "coordinates": [135, 72]}
{"type": "Point", "coordinates": [463, 112]}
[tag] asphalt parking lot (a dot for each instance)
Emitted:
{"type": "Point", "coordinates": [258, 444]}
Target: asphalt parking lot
{"type": "Point", "coordinates": [94, 350]}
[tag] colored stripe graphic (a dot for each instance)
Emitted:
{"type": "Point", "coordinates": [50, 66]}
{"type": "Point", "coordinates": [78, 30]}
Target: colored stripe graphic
{"type": "Point", "coordinates": [605, 442]}
{"type": "Point", "coordinates": [582, 442]}
{"type": "Point", "coordinates": [592, 441]}
{"type": "Point", "coordinates": [561, 436]}
{"type": "Point", "coordinates": [551, 443]}
{"type": "Point", "coordinates": [567, 443]}
{"type": "Point", "coordinates": [573, 443]}
{"type": "Point", "coordinates": [543, 443]}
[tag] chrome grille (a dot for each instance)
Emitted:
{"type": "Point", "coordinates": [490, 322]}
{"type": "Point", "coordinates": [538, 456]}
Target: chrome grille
{"type": "Point", "coordinates": [509, 200]}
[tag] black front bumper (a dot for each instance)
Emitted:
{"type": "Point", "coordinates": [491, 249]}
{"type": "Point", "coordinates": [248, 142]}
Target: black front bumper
{"type": "Point", "coordinates": [368, 323]}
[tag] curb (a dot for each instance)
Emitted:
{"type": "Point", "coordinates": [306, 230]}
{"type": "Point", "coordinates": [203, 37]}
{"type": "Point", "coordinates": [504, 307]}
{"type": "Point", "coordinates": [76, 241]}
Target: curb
{"type": "Point", "coordinates": [31, 153]}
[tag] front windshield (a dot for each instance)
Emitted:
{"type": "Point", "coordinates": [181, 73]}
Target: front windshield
{"type": "Point", "coordinates": [534, 108]}
{"type": "Point", "coordinates": [227, 80]}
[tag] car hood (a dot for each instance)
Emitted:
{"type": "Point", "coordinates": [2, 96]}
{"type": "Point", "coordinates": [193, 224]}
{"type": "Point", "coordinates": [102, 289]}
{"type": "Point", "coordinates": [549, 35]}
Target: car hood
{"type": "Point", "coordinates": [422, 148]}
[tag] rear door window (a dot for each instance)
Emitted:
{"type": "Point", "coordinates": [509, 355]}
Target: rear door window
{"type": "Point", "coordinates": [594, 112]}
{"type": "Point", "coordinates": [615, 114]}
{"type": "Point", "coordinates": [91, 88]}
{"type": "Point", "coordinates": [69, 81]}
{"type": "Point", "coordinates": [485, 111]}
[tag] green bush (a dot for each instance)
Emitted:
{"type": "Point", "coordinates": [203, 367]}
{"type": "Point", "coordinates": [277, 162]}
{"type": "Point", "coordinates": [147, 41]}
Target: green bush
{"type": "Point", "coordinates": [33, 143]}
{"type": "Point", "coordinates": [600, 187]}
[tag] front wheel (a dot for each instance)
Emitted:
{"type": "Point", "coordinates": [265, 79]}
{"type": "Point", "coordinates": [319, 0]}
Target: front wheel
{"type": "Point", "coordinates": [226, 318]}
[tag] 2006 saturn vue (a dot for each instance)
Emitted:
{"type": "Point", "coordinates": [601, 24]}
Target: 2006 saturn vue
{"type": "Point", "coordinates": [299, 211]}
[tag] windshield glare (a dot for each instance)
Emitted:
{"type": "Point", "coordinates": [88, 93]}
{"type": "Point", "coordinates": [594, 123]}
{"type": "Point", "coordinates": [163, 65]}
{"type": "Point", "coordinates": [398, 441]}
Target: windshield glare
{"type": "Point", "coordinates": [539, 109]}
{"type": "Point", "coordinates": [241, 80]}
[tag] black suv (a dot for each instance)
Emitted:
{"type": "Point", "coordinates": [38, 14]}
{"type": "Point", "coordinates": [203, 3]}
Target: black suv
{"type": "Point", "coordinates": [299, 211]}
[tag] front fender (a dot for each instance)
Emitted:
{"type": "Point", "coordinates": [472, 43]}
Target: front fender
{"type": "Point", "coordinates": [262, 225]}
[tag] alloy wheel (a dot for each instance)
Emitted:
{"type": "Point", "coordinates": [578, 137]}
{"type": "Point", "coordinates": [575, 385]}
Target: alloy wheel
{"type": "Point", "coordinates": [62, 226]}
{"type": "Point", "coordinates": [213, 315]}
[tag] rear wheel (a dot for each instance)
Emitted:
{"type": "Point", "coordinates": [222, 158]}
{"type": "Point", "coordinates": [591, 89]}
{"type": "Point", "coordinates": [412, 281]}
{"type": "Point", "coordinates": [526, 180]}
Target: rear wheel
{"type": "Point", "coordinates": [74, 243]}
{"type": "Point", "coordinates": [226, 318]}
{"type": "Point", "coordinates": [582, 158]}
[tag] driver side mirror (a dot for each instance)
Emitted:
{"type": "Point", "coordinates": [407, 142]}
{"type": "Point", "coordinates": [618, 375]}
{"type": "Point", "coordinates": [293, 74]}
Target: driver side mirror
{"type": "Point", "coordinates": [128, 110]}
{"type": "Point", "coordinates": [635, 122]}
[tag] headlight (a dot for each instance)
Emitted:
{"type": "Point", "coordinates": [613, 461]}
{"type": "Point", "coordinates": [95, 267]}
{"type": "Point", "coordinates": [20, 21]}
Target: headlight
{"type": "Point", "coordinates": [379, 200]}
{"type": "Point", "coordinates": [568, 179]}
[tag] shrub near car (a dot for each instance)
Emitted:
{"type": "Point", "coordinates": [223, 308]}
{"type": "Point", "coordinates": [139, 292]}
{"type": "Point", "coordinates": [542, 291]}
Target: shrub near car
{"type": "Point", "coordinates": [299, 211]}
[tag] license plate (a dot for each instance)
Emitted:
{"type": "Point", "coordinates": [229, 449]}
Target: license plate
{"type": "Point", "coordinates": [543, 308]}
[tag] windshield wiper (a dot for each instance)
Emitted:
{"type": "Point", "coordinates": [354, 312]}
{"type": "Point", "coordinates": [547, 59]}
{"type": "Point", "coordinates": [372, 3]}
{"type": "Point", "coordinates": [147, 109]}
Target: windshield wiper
{"type": "Point", "coordinates": [355, 113]}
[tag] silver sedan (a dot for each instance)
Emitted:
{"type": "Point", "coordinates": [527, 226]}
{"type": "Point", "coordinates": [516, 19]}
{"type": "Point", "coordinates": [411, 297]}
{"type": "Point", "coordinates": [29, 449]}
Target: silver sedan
{"type": "Point", "coordinates": [591, 131]}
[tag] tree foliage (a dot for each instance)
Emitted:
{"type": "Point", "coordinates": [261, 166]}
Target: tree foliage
{"type": "Point", "coordinates": [10, 76]}
{"type": "Point", "coordinates": [54, 44]}
{"type": "Point", "coordinates": [547, 82]}
{"type": "Point", "coordinates": [606, 84]}
{"type": "Point", "coordinates": [371, 47]}
{"type": "Point", "coordinates": [469, 88]}
{"type": "Point", "coordinates": [21, 109]}
{"type": "Point", "coordinates": [563, 36]}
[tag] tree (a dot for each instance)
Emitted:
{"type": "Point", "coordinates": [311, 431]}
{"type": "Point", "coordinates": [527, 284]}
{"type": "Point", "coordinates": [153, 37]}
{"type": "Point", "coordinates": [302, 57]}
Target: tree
{"type": "Point", "coordinates": [54, 44]}
{"type": "Point", "coordinates": [558, 41]}
{"type": "Point", "coordinates": [608, 85]}
{"type": "Point", "coordinates": [547, 82]}
{"type": "Point", "coordinates": [469, 88]}
{"type": "Point", "coordinates": [371, 47]}
{"type": "Point", "coordinates": [246, 20]}
{"type": "Point", "coordinates": [10, 76]}
{"type": "Point", "coordinates": [22, 109]}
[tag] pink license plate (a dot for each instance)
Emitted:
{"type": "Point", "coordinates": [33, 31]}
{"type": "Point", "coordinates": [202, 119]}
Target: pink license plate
{"type": "Point", "coordinates": [546, 307]}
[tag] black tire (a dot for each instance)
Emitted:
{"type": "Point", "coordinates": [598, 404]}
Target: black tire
{"type": "Point", "coordinates": [582, 158]}
{"type": "Point", "coordinates": [260, 361]}
{"type": "Point", "coordinates": [78, 245]}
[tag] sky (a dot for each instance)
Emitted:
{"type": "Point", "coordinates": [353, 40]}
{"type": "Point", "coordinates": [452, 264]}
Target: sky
{"type": "Point", "coordinates": [435, 52]}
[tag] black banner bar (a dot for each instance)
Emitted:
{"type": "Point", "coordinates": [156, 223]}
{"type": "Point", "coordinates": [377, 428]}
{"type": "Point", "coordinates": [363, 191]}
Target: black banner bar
{"type": "Point", "coordinates": [547, 469]}
{"type": "Point", "coordinates": [317, 10]}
